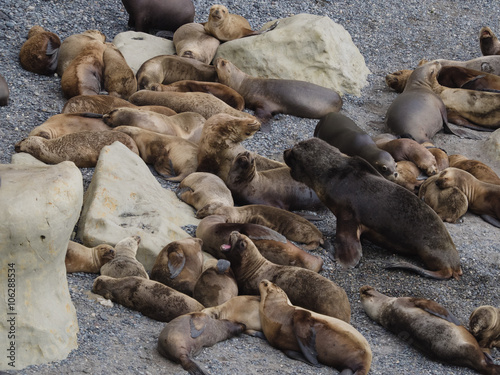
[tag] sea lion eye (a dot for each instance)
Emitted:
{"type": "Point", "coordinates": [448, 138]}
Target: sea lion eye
{"type": "Point", "coordinates": [384, 168]}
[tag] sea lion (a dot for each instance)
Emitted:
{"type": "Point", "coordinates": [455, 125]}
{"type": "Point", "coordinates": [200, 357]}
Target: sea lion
{"type": "Point", "coordinates": [216, 284]}
{"type": "Point", "coordinates": [304, 287]}
{"type": "Point", "coordinates": [151, 298]}
{"type": "Point", "coordinates": [82, 148]}
{"type": "Point", "coordinates": [487, 64]}
{"type": "Point", "coordinates": [273, 187]}
{"type": "Point", "coordinates": [148, 15]}
{"type": "Point", "coordinates": [270, 96]}
{"type": "Point", "coordinates": [167, 69]}
{"type": "Point", "coordinates": [179, 264]}
{"type": "Point", "coordinates": [80, 258]}
{"type": "Point", "coordinates": [202, 189]}
{"type": "Point", "coordinates": [192, 41]}
{"type": "Point", "coordinates": [172, 157]}
{"type": "Point", "coordinates": [223, 92]}
{"type": "Point", "coordinates": [397, 80]}
{"type": "Point", "coordinates": [214, 230]}
{"type": "Point", "coordinates": [4, 92]}
{"type": "Point", "coordinates": [40, 51]}
{"type": "Point", "coordinates": [340, 131]}
{"type": "Point", "coordinates": [429, 327]}
{"type": "Point", "coordinates": [484, 324]}
{"type": "Point", "coordinates": [409, 176]}
{"type": "Point", "coordinates": [118, 78]}
{"type": "Point", "coordinates": [365, 203]}
{"type": "Point", "coordinates": [185, 336]}
{"type": "Point", "coordinates": [124, 263]}
{"type": "Point", "coordinates": [488, 42]}
{"type": "Point", "coordinates": [439, 154]}
{"type": "Point", "coordinates": [475, 167]}
{"type": "Point", "coordinates": [66, 123]}
{"type": "Point", "coordinates": [311, 337]}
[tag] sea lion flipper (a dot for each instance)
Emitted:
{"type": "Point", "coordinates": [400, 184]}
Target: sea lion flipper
{"type": "Point", "coordinates": [348, 249]}
{"type": "Point", "coordinates": [197, 325]}
{"type": "Point", "coordinates": [305, 333]}
{"type": "Point", "coordinates": [260, 232]}
{"type": "Point", "coordinates": [436, 309]}
{"type": "Point", "coordinates": [491, 220]}
{"type": "Point", "coordinates": [176, 262]}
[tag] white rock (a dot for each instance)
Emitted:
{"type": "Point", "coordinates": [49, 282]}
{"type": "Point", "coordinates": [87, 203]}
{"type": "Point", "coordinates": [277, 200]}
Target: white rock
{"type": "Point", "coordinates": [492, 147]}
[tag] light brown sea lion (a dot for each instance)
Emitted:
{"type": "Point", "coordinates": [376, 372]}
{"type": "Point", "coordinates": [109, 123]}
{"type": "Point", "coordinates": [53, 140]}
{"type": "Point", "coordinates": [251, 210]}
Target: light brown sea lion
{"type": "Point", "coordinates": [214, 230]}
{"type": "Point", "coordinates": [484, 324]}
{"type": "Point", "coordinates": [66, 123]}
{"type": "Point", "coordinates": [167, 69]}
{"type": "Point", "coordinates": [487, 64]}
{"type": "Point", "coordinates": [4, 92]}
{"type": "Point", "coordinates": [475, 167]}
{"type": "Point", "coordinates": [311, 337]}
{"type": "Point", "coordinates": [124, 263]}
{"type": "Point", "coordinates": [185, 336]}
{"type": "Point", "coordinates": [82, 148]}
{"type": "Point", "coordinates": [273, 187]}
{"type": "Point", "coordinates": [192, 41]}
{"type": "Point", "coordinates": [488, 42]}
{"type": "Point", "coordinates": [429, 327]}
{"type": "Point", "coordinates": [118, 78]}
{"type": "Point", "coordinates": [223, 92]}
{"type": "Point", "coordinates": [151, 298]}
{"type": "Point", "coordinates": [440, 155]}
{"type": "Point", "coordinates": [270, 96]}
{"type": "Point", "coordinates": [304, 287]}
{"type": "Point", "coordinates": [216, 284]}
{"type": "Point", "coordinates": [80, 258]}
{"type": "Point", "coordinates": [409, 176]}
{"type": "Point", "coordinates": [179, 264]}
{"type": "Point", "coordinates": [365, 203]}
{"type": "Point", "coordinates": [172, 157]}
{"type": "Point", "coordinates": [397, 80]}
{"type": "Point", "coordinates": [39, 53]}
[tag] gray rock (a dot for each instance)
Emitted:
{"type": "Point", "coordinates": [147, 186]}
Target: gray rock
{"type": "Point", "coordinates": [492, 147]}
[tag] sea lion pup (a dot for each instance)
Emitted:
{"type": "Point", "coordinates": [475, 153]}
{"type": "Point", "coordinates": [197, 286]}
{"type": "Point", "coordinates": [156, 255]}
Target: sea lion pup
{"type": "Point", "coordinates": [488, 42]}
{"type": "Point", "coordinates": [82, 148]}
{"type": "Point", "coordinates": [397, 80]}
{"type": "Point", "coordinates": [483, 197]}
{"type": "Point", "coordinates": [167, 69]}
{"type": "Point", "coordinates": [304, 287]}
{"type": "Point", "coordinates": [179, 264]}
{"type": "Point", "coordinates": [223, 92]}
{"type": "Point", "coordinates": [430, 327]}
{"type": "Point", "coordinates": [273, 187]}
{"type": "Point", "coordinates": [292, 226]}
{"type": "Point", "coordinates": [80, 258]}
{"type": "Point", "coordinates": [313, 338]}
{"type": "Point", "coordinates": [484, 324]}
{"type": "Point", "coordinates": [365, 203]}
{"type": "Point", "coordinates": [4, 92]}
{"type": "Point", "coordinates": [475, 167]}
{"type": "Point", "coordinates": [439, 154]}
{"type": "Point", "coordinates": [39, 53]}
{"type": "Point", "coordinates": [124, 263]}
{"type": "Point", "coordinates": [200, 189]}
{"type": "Point", "coordinates": [150, 298]}
{"type": "Point", "coordinates": [270, 96]}
{"type": "Point", "coordinates": [185, 336]}
{"type": "Point", "coordinates": [66, 123]}
{"type": "Point", "coordinates": [118, 78]}
{"type": "Point", "coordinates": [216, 284]}
{"type": "Point", "coordinates": [340, 131]}
{"type": "Point", "coordinates": [172, 157]}
{"type": "Point", "coordinates": [409, 176]}
{"type": "Point", "coordinates": [450, 204]}
{"type": "Point", "coordinates": [214, 230]}
{"type": "Point", "coordinates": [192, 41]}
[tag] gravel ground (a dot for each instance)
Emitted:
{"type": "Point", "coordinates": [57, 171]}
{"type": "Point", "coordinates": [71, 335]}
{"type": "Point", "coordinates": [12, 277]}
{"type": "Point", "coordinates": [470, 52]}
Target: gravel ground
{"type": "Point", "coordinates": [391, 35]}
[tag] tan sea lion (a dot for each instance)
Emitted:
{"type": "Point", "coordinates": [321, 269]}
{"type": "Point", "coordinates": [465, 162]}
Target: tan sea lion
{"type": "Point", "coordinates": [4, 92]}
{"type": "Point", "coordinates": [311, 337]}
{"type": "Point", "coordinates": [409, 176]}
{"type": "Point", "coordinates": [66, 123]}
{"type": "Point", "coordinates": [173, 157]}
{"type": "Point", "coordinates": [397, 80]}
{"type": "Point", "coordinates": [118, 78]}
{"type": "Point", "coordinates": [80, 258]}
{"type": "Point", "coordinates": [270, 96]}
{"type": "Point", "coordinates": [440, 155]}
{"type": "Point", "coordinates": [488, 42]}
{"type": "Point", "coordinates": [185, 336]}
{"type": "Point", "coordinates": [216, 284]}
{"type": "Point", "coordinates": [40, 51]}
{"type": "Point", "coordinates": [484, 324]}
{"type": "Point", "coordinates": [167, 69]}
{"type": "Point", "coordinates": [429, 327]}
{"type": "Point", "coordinates": [179, 264]}
{"type": "Point", "coordinates": [304, 287]}
{"type": "Point", "coordinates": [192, 41]}
{"type": "Point", "coordinates": [487, 64]}
{"type": "Point", "coordinates": [82, 148]}
{"type": "Point", "coordinates": [365, 203]}
{"type": "Point", "coordinates": [475, 167]}
{"type": "Point", "coordinates": [151, 298]}
{"type": "Point", "coordinates": [124, 263]}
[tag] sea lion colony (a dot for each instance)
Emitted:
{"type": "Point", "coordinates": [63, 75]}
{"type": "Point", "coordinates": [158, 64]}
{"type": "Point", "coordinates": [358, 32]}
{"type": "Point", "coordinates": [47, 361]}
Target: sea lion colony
{"type": "Point", "coordinates": [88, 66]}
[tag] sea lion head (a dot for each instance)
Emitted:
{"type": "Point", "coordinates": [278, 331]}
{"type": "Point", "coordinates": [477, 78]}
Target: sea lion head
{"type": "Point", "coordinates": [228, 73]}
{"type": "Point", "coordinates": [384, 163]}
{"type": "Point", "coordinates": [372, 301]}
{"type": "Point", "coordinates": [37, 29]}
{"type": "Point", "coordinates": [105, 253]}
{"type": "Point", "coordinates": [29, 145]}
{"type": "Point", "coordinates": [485, 32]}
{"type": "Point", "coordinates": [128, 245]}
{"type": "Point", "coordinates": [217, 13]}
{"type": "Point", "coordinates": [102, 287]}
{"type": "Point", "coordinates": [238, 249]}
{"type": "Point", "coordinates": [425, 75]}
{"type": "Point", "coordinates": [243, 168]}
{"type": "Point", "coordinates": [95, 34]}
{"type": "Point", "coordinates": [270, 291]}
{"type": "Point", "coordinates": [484, 324]}
{"type": "Point", "coordinates": [232, 128]}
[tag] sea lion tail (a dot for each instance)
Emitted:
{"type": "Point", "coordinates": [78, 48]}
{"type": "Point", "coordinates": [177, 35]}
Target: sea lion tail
{"type": "Point", "coordinates": [420, 271]}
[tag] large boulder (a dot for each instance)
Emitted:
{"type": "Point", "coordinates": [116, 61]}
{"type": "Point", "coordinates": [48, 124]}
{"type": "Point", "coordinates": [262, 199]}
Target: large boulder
{"type": "Point", "coordinates": [492, 147]}
{"type": "Point", "coordinates": [303, 47]}
{"type": "Point", "coordinates": [125, 199]}
{"type": "Point", "coordinates": [40, 205]}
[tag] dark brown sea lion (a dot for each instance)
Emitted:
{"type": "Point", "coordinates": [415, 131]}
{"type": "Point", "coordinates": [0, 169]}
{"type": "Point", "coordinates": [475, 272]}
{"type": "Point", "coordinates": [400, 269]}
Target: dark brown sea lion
{"type": "Point", "coordinates": [192, 41]}
{"type": "Point", "coordinates": [82, 148]}
{"type": "Point", "coordinates": [4, 92]}
{"type": "Point", "coordinates": [185, 336]}
{"type": "Point", "coordinates": [304, 287]}
{"type": "Point", "coordinates": [352, 189]}
{"type": "Point", "coordinates": [118, 78]}
{"type": "Point", "coordinates": [216, 284]}
{"type": "Point", "coordinates": [475, 167]}
{"type": "Point", "coordinates": [340, 131]}
{"type": "Point", "coordinates": [429, 327]}
{"type": "Point", "coordinates": [488, 42]}
{"type": "Point", "coordinates": [124, 263]}
{"type": "Point", "coordinates": [80, 258]}
{"type": "Point", "coordinates": [484, 324]}
{"type": "Point", "coordinates": [66, 123]}
{"type": "Point", "coordinates": [39, 53]}
{"type": "Point", "coordinates": [151, 298]}
{"type": "Point", "coordinates": [311, 337]}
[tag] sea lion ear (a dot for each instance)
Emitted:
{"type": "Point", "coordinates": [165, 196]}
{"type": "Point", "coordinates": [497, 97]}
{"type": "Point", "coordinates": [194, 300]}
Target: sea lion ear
{"type": "Point", "coordinates": [362, 165]}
